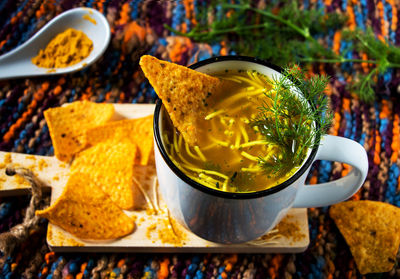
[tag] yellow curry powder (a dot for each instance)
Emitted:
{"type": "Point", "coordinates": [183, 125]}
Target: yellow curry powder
{"type": "Point", "coordinates": [92, 20]}
{"type": "Point", "coordinates": [66, 49]}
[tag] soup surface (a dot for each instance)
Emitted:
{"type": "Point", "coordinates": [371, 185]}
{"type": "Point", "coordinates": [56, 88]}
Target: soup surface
{"type": "Point", "coordinates": [230, 148]}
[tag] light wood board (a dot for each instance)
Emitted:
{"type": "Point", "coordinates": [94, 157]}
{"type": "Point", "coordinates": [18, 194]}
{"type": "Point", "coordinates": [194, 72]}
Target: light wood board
{"type": "Point", "coordinates": [155, 231]}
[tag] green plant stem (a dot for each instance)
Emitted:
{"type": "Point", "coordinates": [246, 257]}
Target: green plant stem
{"type": "Point", "coordinates": [303, 32]}
{"type": "Point", "coordinates": [166, 26]}
{"type": "Point", "coordinates": [340, 60]}
{"type": "Point", "coordinates": [365, 44]}
{"type": "Point", "coordinates": [369, 76]}
{"type": "Point", "coordinates": [276, 118]}
{"type": "Point", "coordinates": [346, 60]}
{"type": "Point", "coordinates": [193, 35]}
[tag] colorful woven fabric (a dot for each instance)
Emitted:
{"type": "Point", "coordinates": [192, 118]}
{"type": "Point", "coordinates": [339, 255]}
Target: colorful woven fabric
{"type": "Point", "coordinates": [137, 29]}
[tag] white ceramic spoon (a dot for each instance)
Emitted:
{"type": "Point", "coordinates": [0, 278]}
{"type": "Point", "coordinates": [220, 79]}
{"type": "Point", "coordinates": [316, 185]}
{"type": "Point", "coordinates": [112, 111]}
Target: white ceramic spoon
{"type": "Point", "coordinates": [17, 63]}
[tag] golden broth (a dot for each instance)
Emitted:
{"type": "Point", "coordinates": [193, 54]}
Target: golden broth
{"type": "Point", "coordinates": [229, 148]}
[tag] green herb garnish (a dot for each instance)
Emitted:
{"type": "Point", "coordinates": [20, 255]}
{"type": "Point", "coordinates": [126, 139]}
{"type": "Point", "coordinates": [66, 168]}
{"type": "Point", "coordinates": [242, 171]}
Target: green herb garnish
{"type": "Point", "coordinates": [242, 181]}
{"type": "Point", "coordinates": [211, 166]}
{"type": "Point", "coordinates": [291, 123]}
{"type": "Point", "coordinates": [284, 33]}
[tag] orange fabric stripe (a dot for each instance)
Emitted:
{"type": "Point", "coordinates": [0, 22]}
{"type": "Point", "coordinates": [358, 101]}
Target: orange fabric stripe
{"type": "Point", "coordinates": [37, 96]}
{"type": "Point", "coordinates": [336, 125]}
{"type": "Point", "coordinates": [385, 110]}
{"type": "Point", "coordinates": [351, 18]}
{"type": "Point", "coordinates": [395, 139]}
{"type": "Point", "coordinates": [381, 11]}
{"type": "Point", "coordinates": [336, 41]}
{"type": "Point", "coordinates": [377, 158]}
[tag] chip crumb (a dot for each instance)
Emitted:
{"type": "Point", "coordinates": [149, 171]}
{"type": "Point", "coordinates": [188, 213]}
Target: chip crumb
{"type": "Point", "coordinates": [150, 211]}
{"type": "Point", "coordinates": [60, 239]}
{"type": "Point", "coordinates": [290, 230]}
{"type": "Point", "coordinates": [30, 157]}
{"type": "Point", "coordinates": [167, 231]}
{"type": "Point", "coordinates": [56, 178]}
{"type": "Point", "coordinates": [21, 181]}
{"type": "Point", "coordinates": [3, 165]}
{"type": "Point", "coordinates": [150, 230]}
{"type": "Point", "coordinates": [73, 242]}
{"type": "Point", "coordinates": [32, 167]}
{"type": "Point", "coordinates": [42, 164]}
{"type": "Point", "coordinates": [49, 232]}
{"type": "Point", "coordinates": [171, 234]}
{"type": "Point", "coordinates": [7, 159]}
{"type": "Point", "coordinates": [286, 228]}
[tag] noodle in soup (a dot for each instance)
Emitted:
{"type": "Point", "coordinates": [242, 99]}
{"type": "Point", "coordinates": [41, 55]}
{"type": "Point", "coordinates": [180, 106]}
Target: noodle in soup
{"type": "Point", "coordinates": [229, 148]}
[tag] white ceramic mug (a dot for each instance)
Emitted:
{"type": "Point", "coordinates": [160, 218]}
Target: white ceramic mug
{"type": "Point", "coordinates": [239, 217]}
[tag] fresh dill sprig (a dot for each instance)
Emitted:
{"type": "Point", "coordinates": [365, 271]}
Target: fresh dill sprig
{"type": "Point", "coordinates": [284, 33]}
{"type": "Point", "coordinates": [281, 36]}
{"type": "Point", "coordinates": [380, 53]}
{"type": "Point", "coordinates": [292, 119]}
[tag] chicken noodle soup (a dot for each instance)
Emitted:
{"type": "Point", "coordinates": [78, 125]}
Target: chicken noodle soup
{"type": "Point", "coordinates": [230, 148]}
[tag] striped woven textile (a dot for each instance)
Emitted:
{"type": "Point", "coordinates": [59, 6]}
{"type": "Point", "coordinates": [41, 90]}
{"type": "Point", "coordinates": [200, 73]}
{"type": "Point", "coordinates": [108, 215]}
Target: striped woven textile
{"type": "Point", "coordinates": [137, 29]}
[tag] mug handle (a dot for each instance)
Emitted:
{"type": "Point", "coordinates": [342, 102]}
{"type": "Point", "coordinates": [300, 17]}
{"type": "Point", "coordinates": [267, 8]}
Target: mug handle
{"type": "Point", "coordinates": [339, 149]}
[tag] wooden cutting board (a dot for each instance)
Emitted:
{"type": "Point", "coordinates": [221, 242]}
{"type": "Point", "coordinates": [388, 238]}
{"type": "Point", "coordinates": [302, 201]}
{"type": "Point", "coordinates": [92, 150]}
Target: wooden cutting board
{"type": "Point", "coordinates": [156, 231]}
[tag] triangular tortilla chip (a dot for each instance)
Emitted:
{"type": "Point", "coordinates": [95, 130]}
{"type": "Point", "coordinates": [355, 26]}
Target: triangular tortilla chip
{"type": "Point", "coordinates": [372, 231]}
{"type": "Point", "coordinates": [138, 130]}
{"type": "Point", "coordinates": [110, 165]}
{"type": "Point", "coordinates": [184, 93]}
{"type": "Point", "coordinates": [86, 212]}
{"type": "Point", "coordinates": [68, 125]}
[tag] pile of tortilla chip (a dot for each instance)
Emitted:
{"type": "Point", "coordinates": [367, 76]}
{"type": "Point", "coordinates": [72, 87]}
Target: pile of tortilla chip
{"type": "Point", "coordinates": [372, 231]}
{"type": "Point", "coordinates": [103, 156]}
{"type": "Point", "coordinates": [184, 93]}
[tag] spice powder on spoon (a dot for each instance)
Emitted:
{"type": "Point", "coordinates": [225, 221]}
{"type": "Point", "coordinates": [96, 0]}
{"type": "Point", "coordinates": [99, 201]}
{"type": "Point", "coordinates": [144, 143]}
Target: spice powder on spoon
{"type": "Point", "coordinates": [66, 49]}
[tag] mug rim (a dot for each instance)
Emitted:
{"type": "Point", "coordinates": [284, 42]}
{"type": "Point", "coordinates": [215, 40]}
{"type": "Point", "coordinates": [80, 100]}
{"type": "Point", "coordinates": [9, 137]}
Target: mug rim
{"type": "Point", "coordinates": [211, 191]}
